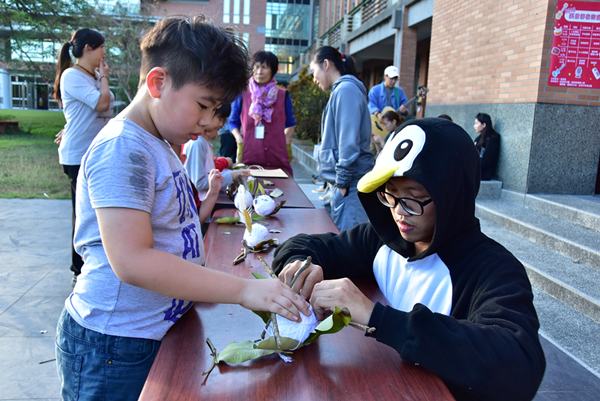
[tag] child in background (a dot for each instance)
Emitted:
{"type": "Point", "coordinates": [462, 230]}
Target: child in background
{"type": "Point", "coordinates": [390, 120]}
{"type": "Point", "coordinates": [199, 158]}
{"type": "Point", "coordinates": [137, 228]}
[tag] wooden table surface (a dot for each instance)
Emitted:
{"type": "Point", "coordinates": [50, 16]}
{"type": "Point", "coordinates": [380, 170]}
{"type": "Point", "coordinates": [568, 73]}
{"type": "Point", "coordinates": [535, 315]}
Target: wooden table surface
{"type": "Point", "coordinates": [342, 366]}
{"type": "Point", "coordinates": [292, 194]}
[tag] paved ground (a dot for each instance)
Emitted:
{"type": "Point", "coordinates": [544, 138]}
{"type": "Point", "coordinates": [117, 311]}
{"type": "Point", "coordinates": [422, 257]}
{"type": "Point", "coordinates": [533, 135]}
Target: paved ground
{"type": "Point", "coordinates": [35, 280]}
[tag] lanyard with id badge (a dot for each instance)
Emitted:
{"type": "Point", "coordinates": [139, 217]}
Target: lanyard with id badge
{"type": "Point", "coordinates": [259, 131]}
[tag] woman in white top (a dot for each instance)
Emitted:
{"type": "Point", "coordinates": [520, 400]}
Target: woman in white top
{"type": "Point", "coordinates": [82, 90]}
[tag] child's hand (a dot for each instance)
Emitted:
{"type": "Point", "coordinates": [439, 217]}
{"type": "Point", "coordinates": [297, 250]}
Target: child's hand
{"type": "Point", "coordinates": [306, 281]}
{"type": "Point", "coordinates": [378, 140]}
{"type": "Point", "coordinates": [215, 179]}
{"type": "Point", "coordinates": [342, 293]}
{"type": "Point", "coordinates": [229, 161]}
{"type": "Point", "coordinates": [244, 172]}
{"type": "Point", "coordinates": [273, 296]}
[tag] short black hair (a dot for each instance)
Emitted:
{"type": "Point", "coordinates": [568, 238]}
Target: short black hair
{"type": "Point", "coordinates": [194, 50]}
{"type": "Point", "coordinates": [268, 58]}
{"type": "Point", "coordinates": [445, 117]}
{"type": "Point", "coordinates": [224, 111]}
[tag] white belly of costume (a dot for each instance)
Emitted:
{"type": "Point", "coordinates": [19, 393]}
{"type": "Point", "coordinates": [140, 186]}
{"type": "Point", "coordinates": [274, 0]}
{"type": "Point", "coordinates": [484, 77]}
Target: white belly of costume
{"type": "Point", "coordinates": [404, 284]}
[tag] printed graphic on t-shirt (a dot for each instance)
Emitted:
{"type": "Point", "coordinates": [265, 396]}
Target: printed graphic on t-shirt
{"type": "Point", "coordinates": [189, 234]}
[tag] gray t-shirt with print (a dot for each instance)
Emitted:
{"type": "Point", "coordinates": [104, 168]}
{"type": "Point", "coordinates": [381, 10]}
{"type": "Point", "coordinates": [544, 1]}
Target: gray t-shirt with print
{"type": "Point", "coordinates": [127, 167]}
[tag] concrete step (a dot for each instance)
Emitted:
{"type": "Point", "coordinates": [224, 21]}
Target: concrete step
{"type": "Point", "coordinates": [566, 296]}
{"type": "Point", "coordinates": [571, 331]}
{"type": "Point", "coordinates": [578, 243]}
{"type": "Point", "coordinates": [575, 284]}
{"type": "Point", "coordinates": [581, 210]}
{"type": "Point", "coordinates": [489, 190]}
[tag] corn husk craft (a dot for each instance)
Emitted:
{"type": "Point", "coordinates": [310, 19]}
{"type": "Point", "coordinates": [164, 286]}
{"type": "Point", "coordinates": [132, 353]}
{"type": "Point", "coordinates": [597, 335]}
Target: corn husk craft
{"type": "Point", "coordinates": [264, 206]}
{"type": "Point", "coordinates": [280, 336]}
{"type": "Point", "coordinates": [256, 236]}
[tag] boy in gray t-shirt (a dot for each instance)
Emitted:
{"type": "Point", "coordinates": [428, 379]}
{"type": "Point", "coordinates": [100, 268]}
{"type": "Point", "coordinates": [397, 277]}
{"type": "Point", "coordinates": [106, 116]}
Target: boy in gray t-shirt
{"type": "Point", "coordinates": [138, 229]}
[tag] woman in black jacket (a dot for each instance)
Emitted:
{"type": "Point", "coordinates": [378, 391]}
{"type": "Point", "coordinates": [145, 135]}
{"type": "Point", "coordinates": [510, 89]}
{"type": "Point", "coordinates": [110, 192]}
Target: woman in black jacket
{"type": "Point", "coordinates": [487, 144]}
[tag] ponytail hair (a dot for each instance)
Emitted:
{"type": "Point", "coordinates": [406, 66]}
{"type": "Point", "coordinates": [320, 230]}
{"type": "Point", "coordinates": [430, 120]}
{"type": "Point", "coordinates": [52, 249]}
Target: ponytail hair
{"type": "Point", "coordinates": [488, 131]}
{"type": "Point", "coordinates": [342, 62]}
{"type": "Point", "coordinates": [79, 39]}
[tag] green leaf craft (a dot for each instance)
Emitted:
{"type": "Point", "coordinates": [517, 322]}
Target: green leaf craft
{"type": "Point", "coordinates": [239, 352]}
{"type": "Point", "coordinates": [235, 220]}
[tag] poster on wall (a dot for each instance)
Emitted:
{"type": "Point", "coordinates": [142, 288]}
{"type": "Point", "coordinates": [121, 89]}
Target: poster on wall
{"type": "Point", "coordinates": [575, 55]}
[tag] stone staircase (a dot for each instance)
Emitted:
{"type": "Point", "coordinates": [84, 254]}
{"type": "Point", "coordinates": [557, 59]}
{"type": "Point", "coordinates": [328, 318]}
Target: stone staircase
{"type": "Point", "coordinates": [557, 238]}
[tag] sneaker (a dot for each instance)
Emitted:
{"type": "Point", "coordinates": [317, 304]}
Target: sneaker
{"type": "Point", "coordinates": [318, 190]}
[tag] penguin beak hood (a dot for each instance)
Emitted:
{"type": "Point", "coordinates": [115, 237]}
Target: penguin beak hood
{"type": "Point", "coordinates": [396, 158]}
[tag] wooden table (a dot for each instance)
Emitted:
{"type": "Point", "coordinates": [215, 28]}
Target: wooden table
{"type": "Point", "coordinates": [292, 194]}
{"type": "Point", "coordinates": [342, 366]}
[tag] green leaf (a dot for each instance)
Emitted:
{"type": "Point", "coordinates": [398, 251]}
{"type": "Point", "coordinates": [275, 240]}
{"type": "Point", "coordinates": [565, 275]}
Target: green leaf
{"type": "Point", "coordinates": [234, 220]}
{"type": "Point", "coordinates": [275, 193]}
{"type": "Point", "coordinates": [286, 344]}
{"type": "Point", "coordinates": [251, 186]}
{"type": "Point", "coordinates": [265, 316]}
{"type": "Point", "coordinates": [267, 182]}
{"type": "Point", "coordinates": [242, 352]}
{"type": "Point", "coordinates": [334, 323]}
{"type": "Point", "coordinates": [258, 275]}
{"type": "Point", "coordinates": [261, 189]}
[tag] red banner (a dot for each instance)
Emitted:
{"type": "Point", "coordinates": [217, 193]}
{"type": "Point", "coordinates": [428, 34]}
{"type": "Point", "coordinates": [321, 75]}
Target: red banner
{"type": "Point", "coordinates": [575, 60]}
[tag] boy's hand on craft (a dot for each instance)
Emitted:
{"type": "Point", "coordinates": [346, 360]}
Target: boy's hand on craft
{"type": "Point", "coordinates": [341, 293]}
{"type": "Point", "coordinates": [306, 280]}
{"type": "Point", "coordinates": [274, 296]}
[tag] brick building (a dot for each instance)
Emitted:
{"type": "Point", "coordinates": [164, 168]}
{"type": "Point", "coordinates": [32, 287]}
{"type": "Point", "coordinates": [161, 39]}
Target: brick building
{"type": "Point", "coordinates": [480, 56]}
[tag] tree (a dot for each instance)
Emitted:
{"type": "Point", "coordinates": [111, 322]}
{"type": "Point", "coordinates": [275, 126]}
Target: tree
{"type": "Point", "coordinates": [309, 101]}
{"type": "Point", "coordinates": [34, 30]}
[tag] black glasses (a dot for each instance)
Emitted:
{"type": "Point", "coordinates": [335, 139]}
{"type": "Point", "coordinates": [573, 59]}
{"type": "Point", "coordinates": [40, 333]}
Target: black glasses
{"type": "Point", "coordinates": [412, 206]}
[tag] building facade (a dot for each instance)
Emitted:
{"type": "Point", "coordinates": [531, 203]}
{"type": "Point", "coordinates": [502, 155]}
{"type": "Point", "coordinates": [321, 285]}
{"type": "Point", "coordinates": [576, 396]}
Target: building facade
{"type": "Point", "coordinates": [482, 56]}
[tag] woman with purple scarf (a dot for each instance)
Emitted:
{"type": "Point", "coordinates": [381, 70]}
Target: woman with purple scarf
{"type": "Point", "coordinates": [266, 117]}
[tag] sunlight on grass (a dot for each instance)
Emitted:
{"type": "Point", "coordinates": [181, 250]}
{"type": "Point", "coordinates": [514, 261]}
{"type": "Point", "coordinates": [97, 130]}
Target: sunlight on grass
{"type": "Point", "coordinates": [29, 165]}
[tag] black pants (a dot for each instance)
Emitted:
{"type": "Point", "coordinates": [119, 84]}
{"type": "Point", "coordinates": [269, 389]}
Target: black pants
{"type": "Point", "coordinates": [228, 147]}
{"type": "Point", "coordinates": [76, 260]}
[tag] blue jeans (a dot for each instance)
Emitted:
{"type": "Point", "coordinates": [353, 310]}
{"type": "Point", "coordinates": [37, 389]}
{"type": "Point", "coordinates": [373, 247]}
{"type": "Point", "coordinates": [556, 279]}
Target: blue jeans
{"type": "Point", "coordinates": [346, 211]}
{"type": "Point", "coordinates": [94, 366]}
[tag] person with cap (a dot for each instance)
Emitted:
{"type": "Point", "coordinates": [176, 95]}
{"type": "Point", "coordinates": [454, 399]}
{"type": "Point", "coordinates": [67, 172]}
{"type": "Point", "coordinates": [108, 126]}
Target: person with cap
{"type": "Point", "coordinates": [459, 303]}
{"type": "Point", "coordinates": [387, 94]}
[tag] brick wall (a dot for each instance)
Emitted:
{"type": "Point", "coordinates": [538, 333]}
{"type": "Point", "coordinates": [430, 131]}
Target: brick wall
{"type": "Point", "coordinates": [214, 10]}
{"type": "Point", "coordinates": [489, 51]}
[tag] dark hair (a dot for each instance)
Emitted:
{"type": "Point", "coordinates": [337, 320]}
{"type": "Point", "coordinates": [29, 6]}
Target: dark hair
{"type": "Point", "coordinates": [345, 65]}
{"type": "Point", "coordinates": [445, 117]}
{"type": "Point", "coordinates": [392, 115]}
{"type": "Point", "coordinates": [224, 111]}
{"type": "Point", "coordinates": [488, 131]}
{"type": "Point", "coordinates": [194, 50]}
{"type": "Point", "coordinates": [266, 57]}
{"type": "Point", "coordinates": [79, 39]}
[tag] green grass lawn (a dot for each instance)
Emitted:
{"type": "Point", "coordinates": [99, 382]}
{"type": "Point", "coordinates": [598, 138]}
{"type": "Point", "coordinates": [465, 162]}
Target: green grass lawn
{"type": "Point", "coordinates": [29, 165]}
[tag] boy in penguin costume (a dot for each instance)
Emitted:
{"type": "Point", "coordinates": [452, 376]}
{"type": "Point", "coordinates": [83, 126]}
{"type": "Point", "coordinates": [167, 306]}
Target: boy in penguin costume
{"type": "Point", "coordinates": [461, 305]}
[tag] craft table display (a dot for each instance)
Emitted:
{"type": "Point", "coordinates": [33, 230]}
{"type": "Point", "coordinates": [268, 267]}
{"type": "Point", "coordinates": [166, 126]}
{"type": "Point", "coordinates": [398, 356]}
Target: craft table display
{"type": "Point", "coordinates": [341, 366]}
{"type": "Point", "coordinates": [292, 194]}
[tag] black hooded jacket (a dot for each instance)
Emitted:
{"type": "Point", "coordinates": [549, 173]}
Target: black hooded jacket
{"type": "Point", "coordinates": [488, 348]}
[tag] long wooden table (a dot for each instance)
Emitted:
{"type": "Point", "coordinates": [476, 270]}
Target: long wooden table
{"type": "Point", "coordinates": [341, 366]}
{"type": "Point", "coordinates": [292, 194]}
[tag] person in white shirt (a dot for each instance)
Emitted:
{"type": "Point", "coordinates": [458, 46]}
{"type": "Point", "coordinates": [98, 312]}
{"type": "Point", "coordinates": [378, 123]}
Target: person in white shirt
{"type": "Point", "coordinates": [82, 91]}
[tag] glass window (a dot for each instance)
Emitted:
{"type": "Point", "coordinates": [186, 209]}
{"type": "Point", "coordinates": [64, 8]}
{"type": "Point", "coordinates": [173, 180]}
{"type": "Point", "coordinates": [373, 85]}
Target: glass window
{"type": "Point", "coordinates": [226, 11]}
{"type": "Point", "coordinates": [246, 12]}
{"type": "Point", "coordinates": [236, 11]}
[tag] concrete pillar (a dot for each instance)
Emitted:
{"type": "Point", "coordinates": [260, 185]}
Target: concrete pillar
{"type": "Point", "coordinates": [405, 53]}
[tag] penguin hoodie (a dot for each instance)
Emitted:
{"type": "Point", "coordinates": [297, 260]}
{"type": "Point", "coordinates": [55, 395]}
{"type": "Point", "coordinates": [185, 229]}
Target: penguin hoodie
{"type": "Point", "coordinates": [463, 308]}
